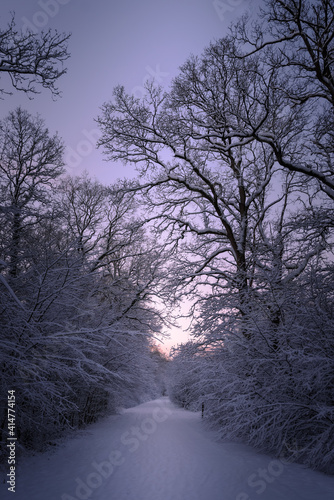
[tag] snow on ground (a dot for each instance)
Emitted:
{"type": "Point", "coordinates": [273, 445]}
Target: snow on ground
{"type": "Point", "coordinates": [156, 451]}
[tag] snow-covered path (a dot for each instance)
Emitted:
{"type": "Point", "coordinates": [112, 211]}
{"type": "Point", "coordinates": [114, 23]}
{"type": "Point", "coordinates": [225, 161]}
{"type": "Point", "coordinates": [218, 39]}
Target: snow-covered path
{"type": "Point", "coordinates": [156, 451]}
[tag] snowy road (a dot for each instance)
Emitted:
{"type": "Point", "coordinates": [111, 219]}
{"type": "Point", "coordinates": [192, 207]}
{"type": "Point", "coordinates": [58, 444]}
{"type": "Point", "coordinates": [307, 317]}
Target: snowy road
{"type": "Point", "coordinates": [156, 451]}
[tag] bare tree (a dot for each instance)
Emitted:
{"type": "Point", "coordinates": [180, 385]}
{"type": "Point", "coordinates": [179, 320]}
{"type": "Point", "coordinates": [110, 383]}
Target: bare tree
{"type": "Point", "coordinates": [209, 193]}
{"type": "Point", "coordinates": [30, 162]}
{"type": "Point", "coordinates": [32, 60]}
{"type": "Point", "coordinates": [296, 50]}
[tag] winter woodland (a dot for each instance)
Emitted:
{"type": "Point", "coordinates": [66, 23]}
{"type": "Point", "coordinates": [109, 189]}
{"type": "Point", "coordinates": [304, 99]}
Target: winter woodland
{"type": "Point", "coordinates": [232, 210]}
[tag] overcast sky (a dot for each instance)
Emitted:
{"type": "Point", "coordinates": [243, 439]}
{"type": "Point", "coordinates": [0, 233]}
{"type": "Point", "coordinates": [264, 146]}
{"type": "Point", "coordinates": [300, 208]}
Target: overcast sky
{"type": "Point", "coordinates": [113, 42]}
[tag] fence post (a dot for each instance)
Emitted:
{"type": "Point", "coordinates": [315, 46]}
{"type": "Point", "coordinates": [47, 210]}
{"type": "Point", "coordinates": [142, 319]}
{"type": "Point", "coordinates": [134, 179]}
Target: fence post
{"type": "Point", "coordinates": [202, 410]}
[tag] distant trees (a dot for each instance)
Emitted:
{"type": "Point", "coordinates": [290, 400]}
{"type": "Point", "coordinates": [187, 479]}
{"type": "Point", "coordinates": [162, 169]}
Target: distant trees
{"type": "Point", "coordinates": [32, 60]}
{"type": "Point", "coordinates": [186, 375]}
{"type": "Point", "coordinates": [236, 173]}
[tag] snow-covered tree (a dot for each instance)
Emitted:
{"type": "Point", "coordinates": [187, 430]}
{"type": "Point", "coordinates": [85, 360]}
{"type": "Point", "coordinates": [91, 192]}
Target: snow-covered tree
{"type": "Point", "coordinates": [32, 60]}
{"type": "Point", "coordinates": [294, 42]}
{"type": "Point", "coordinates": [30, 162]}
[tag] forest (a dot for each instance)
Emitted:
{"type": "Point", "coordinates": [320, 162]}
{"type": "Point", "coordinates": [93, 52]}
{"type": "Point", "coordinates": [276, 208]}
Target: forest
{"type": "Point", "coordinates": [232, 210]}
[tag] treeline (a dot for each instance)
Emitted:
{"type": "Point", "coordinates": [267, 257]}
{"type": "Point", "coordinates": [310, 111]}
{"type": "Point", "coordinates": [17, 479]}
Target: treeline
{"type": "Point", "coordinates": [237, 173]}
{"type": "Point", "coordinates": [77, 281]}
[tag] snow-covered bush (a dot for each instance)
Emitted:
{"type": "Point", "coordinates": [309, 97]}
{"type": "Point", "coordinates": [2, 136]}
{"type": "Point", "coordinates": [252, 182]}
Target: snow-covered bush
{"type": "Point", "coordinates": [273, 388]}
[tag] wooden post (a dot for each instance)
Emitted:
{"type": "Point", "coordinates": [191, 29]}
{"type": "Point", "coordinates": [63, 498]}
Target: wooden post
{"type": "Point", "coordinates": [202, 410]}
